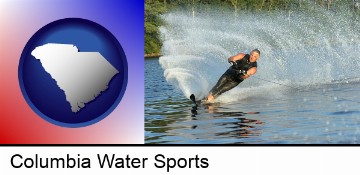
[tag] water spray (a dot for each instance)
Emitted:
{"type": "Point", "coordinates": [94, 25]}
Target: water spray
{"type": "Point", "coordinates": [309, 48]}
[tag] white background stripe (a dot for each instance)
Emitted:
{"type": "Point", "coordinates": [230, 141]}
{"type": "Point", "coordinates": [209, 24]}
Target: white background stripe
{"type": "Point", "coordinates": [237, 160]}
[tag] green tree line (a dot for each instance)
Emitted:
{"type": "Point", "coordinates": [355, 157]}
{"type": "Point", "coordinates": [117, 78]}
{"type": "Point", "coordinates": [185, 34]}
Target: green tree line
{"type": "Point", "coordinates": [154, 9]}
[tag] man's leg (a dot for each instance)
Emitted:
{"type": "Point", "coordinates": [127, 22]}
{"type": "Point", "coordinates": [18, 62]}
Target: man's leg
{"type": "Point", "coordinates": [224, 84]}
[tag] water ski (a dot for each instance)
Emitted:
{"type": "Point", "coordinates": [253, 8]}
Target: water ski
{"type": "Point", "coordinates": [192, 98]}
{"type": "Point", "coordinates": [198, 102]}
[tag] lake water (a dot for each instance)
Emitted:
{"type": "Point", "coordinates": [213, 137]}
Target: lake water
{"type": "Point", "coordinates": [322, 114]}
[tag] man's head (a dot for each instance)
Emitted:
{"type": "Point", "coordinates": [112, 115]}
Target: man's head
{"type": "Point", "coordinates": [254, 55]}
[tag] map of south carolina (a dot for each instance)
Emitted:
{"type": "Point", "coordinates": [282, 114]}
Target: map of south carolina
{"type": "Point", "coordinates": [83, 76]}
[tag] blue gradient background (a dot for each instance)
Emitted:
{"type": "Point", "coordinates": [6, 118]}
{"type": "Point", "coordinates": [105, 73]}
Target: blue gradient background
{"type": "Point", "coordinates": [20, 20]}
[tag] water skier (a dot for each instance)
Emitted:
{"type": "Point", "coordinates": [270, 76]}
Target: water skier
{"type": "Point", "coordinates": [243, 66]}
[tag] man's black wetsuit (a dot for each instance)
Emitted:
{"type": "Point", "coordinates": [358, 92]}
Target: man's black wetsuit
{"type": "Point", "coordinates": [232, 77]}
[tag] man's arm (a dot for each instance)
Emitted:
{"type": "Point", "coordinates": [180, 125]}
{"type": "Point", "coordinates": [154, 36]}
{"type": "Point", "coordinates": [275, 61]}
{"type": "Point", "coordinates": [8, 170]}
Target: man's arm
{"type": "Point", "coordinates": [250, 72]}
{"type": "Point", "coordinates": [236, 57]}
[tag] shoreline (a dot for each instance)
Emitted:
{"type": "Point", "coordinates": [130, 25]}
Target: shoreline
{"type": "Point", "coordinates": [152, 55]}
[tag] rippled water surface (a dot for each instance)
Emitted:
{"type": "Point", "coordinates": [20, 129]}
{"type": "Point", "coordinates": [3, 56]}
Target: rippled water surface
{"type": "Point", "coordinates": [316, 114]}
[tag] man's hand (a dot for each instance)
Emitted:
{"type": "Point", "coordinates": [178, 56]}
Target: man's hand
{"type": "Point", "coordinates": [232, 63]}
{"type": "Point", "coordinates": [243, 72]}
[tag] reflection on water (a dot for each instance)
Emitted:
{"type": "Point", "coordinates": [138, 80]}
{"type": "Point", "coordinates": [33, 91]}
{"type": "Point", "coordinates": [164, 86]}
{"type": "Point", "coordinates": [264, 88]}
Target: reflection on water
{"type": "Point", "coordinates": [199, 124]}
{"type": "Point", "coordinates": [240, 127]}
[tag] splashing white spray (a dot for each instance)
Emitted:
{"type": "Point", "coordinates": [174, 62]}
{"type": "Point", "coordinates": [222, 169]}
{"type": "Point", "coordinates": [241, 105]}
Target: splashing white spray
{"type": "Point", "coordinates": [303, 49]}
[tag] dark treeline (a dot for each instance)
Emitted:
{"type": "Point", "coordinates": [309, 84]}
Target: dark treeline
{"type": "Point", "coordinates": [154, 9]}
